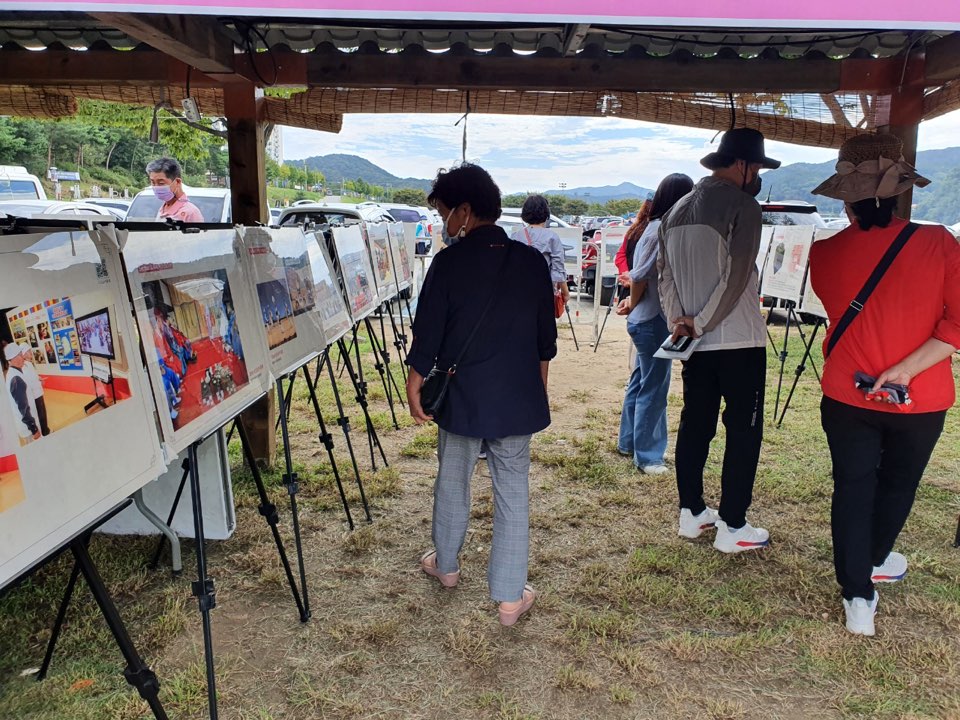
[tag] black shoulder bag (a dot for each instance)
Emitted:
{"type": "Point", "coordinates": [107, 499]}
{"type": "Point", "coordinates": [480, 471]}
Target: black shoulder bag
{"type": "Point", "coordinates": [861, 299]}
{"type": "Point", "coordinates": [434, 389]}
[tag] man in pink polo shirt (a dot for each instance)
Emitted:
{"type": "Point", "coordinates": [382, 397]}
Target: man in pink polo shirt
{"type": "Point", "coordinates": [167, 183]}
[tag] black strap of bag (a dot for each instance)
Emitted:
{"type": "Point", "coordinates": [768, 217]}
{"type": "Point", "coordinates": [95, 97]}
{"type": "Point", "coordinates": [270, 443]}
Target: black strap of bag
{"type": "Point", "coordinates": [861, 299]}
{"type": "Point", "coordinates": [493, 295]}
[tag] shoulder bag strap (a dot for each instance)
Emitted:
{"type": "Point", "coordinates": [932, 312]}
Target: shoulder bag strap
{"type": "Point", "coordinates": [526, 231]}
{"type": "Point", "coordinates": [860, 300]}
{"type": "Point", "coordinates": [483, 315]}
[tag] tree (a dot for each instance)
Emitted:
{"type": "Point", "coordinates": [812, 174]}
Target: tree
{"type": "Point", "coordinates": [624, 206]}
{"type": "Point", "coordinates": [409, 196]}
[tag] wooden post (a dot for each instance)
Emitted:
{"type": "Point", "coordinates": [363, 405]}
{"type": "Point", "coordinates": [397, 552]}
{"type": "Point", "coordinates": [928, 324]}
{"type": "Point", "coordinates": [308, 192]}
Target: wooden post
{"type": "Point", "coordinates": [248, 194]}
{"type": "Point", "coordinates": [906, 112]}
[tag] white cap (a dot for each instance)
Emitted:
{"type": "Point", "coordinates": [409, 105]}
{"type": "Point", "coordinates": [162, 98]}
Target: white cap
{"type": "Point", "coordinates": [11, 351]}
{"type": "Point", "coordinates": [25, 349]}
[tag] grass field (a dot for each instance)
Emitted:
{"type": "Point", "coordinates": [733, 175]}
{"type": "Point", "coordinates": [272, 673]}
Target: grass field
{"type": "Point", "coordinates": [632, 621]}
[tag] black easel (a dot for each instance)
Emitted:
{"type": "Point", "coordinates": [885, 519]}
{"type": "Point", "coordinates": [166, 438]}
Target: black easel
{"type": "Point", "coordinates": [382, 366]}
{"type": "Point", "coordinates": [808, 347]}
{"type": "Point", "coordinates": [100, 399]}
{"type": "Point", "coordinates": [615, 296]}
{"type": "Point", "coordinates": [137, 673]}
{"type": "Point", "coordinates": [572, 331]}
{"type": "Point", "coordinates": [792, 317]}
{"type": "Point", "coordinates": [360, 387]}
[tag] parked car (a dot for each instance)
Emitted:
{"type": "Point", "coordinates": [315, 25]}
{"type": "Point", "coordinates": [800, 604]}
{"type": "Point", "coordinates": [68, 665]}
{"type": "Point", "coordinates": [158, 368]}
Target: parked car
{"type": "Point", "coordinates": [48, 208]}
{"type": "Point", "coordinates": [275, 213]}
{"type": "Point", "coordinates": [118, 206]}
{"type": "Point", "coordinates": [404, 213]}
{"type": "Point", "coordinates": [213, 203]}
{"type": "Point", "coordinates": [18, 184]}
{"type": "Point", "coordinates": [791, 212]}
{"type": "Point", "coordinates": [333, 214]}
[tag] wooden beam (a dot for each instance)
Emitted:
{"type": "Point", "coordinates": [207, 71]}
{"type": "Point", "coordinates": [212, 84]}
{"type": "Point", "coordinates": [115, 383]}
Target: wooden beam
{"type": "Point", "coordinates": [573, 39]}
{"type": "Point", "coordinates": [91, 67]}
{"type": "Point", "coordinates": [248, 180]}
{"type": "Point", "coordinates": [469, 71]}
{"type": "Point", "coordinates": [200, 42]}
{"type": "Point", "coordinates": [943, 60]}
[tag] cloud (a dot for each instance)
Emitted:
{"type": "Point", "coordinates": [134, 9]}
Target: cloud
{"type": "Point", "coordinates": [540, 152]}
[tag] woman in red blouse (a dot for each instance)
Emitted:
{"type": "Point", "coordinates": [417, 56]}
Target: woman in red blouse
{"type": "Point", "coordinates": [905, 334]}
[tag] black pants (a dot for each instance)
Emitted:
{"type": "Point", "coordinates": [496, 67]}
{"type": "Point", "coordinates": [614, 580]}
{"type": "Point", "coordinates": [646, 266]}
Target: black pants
{"type": "Point", "coordinates": [42, 415]}
{"type": "Point", "coordinates": [878, 460]}
{"type": "Point", "coordinates": [738, 378]}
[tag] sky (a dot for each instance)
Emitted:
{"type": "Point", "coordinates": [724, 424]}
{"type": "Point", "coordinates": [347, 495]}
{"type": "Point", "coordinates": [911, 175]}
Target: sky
{"type": "Point", "coordinates": [537, 153]}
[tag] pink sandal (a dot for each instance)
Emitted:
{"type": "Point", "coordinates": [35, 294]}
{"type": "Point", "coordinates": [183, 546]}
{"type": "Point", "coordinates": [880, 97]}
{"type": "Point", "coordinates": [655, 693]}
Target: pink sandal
{"type": "Point", "coordinates": [428, 563]}
{"type": "Point", "coordinates": [509, 617]}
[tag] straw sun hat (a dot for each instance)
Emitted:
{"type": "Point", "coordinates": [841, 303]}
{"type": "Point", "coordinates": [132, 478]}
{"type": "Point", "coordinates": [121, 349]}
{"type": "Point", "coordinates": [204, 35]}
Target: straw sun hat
{"type": "Point", "coordinates": [870, 166]}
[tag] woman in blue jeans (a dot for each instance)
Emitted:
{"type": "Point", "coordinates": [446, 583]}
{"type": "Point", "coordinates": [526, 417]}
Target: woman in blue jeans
{"type": "Point", "coordinates": [643, 421]}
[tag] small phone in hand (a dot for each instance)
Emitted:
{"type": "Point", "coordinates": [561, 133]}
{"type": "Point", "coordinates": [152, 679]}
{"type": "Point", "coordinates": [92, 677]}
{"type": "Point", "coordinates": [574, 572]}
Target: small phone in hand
{"type": "Point", "coordinates": [677, 346]}
{"type": "Point", "coordinates": [891, 392]}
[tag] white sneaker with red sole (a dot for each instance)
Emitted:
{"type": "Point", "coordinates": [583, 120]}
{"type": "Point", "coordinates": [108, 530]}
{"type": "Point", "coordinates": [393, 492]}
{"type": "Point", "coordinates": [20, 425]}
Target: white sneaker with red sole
{"type": "Point", "coordinates": [693, 526]}
{"type": "Point", "coordinates": [893, 569]}
{"type": "Point", "coordinates": [746, 538]}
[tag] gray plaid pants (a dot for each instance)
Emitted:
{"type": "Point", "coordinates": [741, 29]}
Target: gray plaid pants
{"type": "Point", "coordinates": [509, 462]}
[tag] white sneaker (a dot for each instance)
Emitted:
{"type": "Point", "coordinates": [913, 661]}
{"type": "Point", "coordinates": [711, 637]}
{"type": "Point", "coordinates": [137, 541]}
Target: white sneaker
{"type": "Point", "coordinates": [692, 526]}
{"type": "Point", "coordinates": [657, 469]}
{"type": "Point", "coordinates": [746, 538]}
{"type": "Point", "coordinates": [892, 570]}
{"type": "Point", "coordinates": [860, 614]}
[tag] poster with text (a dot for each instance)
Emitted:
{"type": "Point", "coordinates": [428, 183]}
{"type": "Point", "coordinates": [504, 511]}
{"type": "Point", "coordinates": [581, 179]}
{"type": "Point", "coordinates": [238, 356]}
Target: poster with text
{"type": "Point", "coordinates": [399, 255]}
{"type": "Point", "coordinates": [787, 262]}
{"type": "Point", "coordinates": [356, 274]}
{"type": "Point", "coordinates": [200, 326]}
{"type": "Point", "coordinates": [810, 303]}
{"type": "Point", "coordinates": [279, 262]}
{"type": "Point", "coordinates": [383, 271]}
{"type": "Point", "coordinates": [326, 289]}
{"type": "Point", "coordinates": [72, 444]}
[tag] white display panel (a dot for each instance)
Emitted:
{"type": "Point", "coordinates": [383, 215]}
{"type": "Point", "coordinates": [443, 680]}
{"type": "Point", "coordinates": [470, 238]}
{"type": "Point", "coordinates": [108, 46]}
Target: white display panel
{"type": "Point", "coordinates": [810, 303]}
{"type": "Point", "coordinates": [611, 239]}
{"type": "Point", "coordinates": [279, 263]}
{"type": "Point", "coordinates": [330, 302]}
{"type": "Point", "coordinates": [414, 233]}
{"type": "Point", "coordinates": [400, 255]}
{"type": "Point", "coordinates": [91, 455]}
{"type": "Point", "coordinates": [766, 235]}
{"type": "Point", "coordinates": [353, 261]}
{"type": "Point", "coordinates": [787, 262]}
{"type": "Point", "coordinates": [572, 240]}
{"type": "Point", "coordinates": [200, 328]}
{"type": "Point", "coordinates": [383, 272]}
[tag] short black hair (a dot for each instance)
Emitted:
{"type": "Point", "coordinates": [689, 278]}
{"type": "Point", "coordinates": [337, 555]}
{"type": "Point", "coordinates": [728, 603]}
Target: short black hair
{"type": "Point", "coordinates": [168, 166]}
{"type": "Point", "coordinates": [671, 188]}
{"type": "Point", "coordinates": [535, 210]}
{"type": "Point", "coordinates": [467, 183]}
{"type": "Point", "coordinates": [872, 213]}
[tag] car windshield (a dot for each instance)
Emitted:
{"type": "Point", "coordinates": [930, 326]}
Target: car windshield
{"type": "Point", "coordinates": [18, 190]}
{"type": "Point", "coordinates": [792, 218]}
{"type": "Point", "coordinates": [319, 217]}
{"type": "Point", "coordinates": [146, 205]}
{"type": "Point", "coordinates": [404, 214]}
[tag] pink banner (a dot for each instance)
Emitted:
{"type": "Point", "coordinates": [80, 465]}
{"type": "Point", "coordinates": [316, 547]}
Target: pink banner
{"type": "Point", "coordinates": [820, 14]}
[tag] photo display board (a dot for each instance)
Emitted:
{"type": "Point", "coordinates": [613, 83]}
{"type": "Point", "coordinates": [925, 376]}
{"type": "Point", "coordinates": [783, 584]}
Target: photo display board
{"type": "Point", "coordinates": [414, 233]}
{"type": "Point", "coordinates": [378, 242]}
{"type": "Point", "coordinates": [326, 289]}
{"type": "Point", "coordinates": [766, 235]}
{"type": "Point", "coordinates": [787, 262]}
{"type": "Point", "coordinates": [353, 260]}
{"type": "Point", "coordinates": [572, 240]}
{"type": "Point", "coordinates": [278, 261]}
{"type": "Point", "coordinates": [610, 242]}
{"type": "Point", "coordinates": [400, 255]}
{"type": "Point", "coordinates": [810, 303]}
{"type": "Point", "coordinates": [200, 327]}
{"type": "Point", "coordinates": [71, 446]}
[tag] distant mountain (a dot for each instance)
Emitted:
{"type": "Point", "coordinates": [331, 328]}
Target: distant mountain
{"type": "Point", "coordinates": [604, 194]}
{"type": "Point", "coordinates": [939, 201]}
{"type": "Point", "coordinates": [351, 167]}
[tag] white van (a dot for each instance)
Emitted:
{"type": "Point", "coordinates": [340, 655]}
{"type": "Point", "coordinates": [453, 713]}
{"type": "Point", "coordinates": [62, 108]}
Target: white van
{"type": "Point", "coordinates": [18, 184]}
{"type": "Point", "coordinates": [213, 203]}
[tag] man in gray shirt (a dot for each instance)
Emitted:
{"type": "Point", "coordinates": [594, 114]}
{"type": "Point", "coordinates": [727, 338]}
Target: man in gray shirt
{"type": "Point", "coordinates": [708, 289]}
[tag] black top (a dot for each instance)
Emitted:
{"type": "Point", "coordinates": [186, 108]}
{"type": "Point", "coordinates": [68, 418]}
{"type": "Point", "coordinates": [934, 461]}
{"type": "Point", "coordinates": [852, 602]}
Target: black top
{"type": "Point", "coordinates": [497, 390]}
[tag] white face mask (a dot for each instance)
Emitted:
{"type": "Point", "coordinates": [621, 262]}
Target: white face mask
{"type": "Point", "coordinates": [461, 233]}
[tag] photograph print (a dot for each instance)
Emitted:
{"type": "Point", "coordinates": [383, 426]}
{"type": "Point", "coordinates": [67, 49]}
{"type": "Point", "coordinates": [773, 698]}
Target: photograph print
{"type": "Point", "coordinates": [277, 308]}
{"type": "Point", "coordinates": [196, 341]}
{"type": "Point", "coordinates": [330, 304]}
{"type": "Point", "coordinates": [299, 279]}
{"type": "Point", "coordinates": [32, 336]}
{"type": "Point", "coordinates": [358, 283]}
